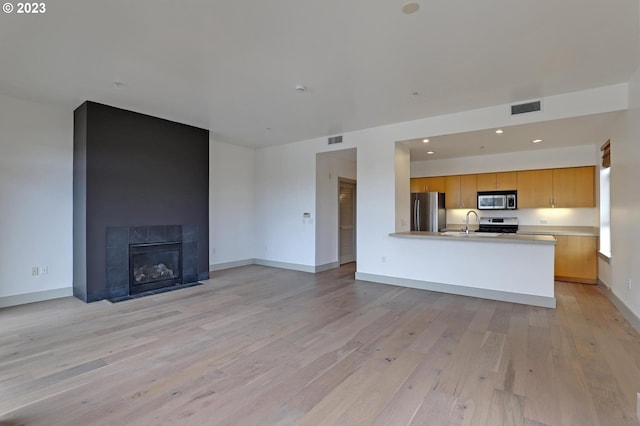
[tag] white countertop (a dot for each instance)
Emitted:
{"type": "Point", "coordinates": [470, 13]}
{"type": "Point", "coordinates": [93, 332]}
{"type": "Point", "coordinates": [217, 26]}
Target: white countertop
{"type": "Point", "coordinates": [580, 231]}
{"type": "Point", "coordinates": [479, 237]}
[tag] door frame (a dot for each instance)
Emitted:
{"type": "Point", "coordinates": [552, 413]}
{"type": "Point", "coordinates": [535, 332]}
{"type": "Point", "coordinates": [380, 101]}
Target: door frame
{"type": "Point", "coordinates": [353, 182]}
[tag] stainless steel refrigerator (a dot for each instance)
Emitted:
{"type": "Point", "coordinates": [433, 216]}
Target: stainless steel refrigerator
{"type": "Point", "coordinates": [428, 212]}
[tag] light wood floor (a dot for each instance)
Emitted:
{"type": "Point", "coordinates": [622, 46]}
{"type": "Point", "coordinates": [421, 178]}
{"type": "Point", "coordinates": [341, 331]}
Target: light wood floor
{"type": "Point", "coordinates": [257, 345]}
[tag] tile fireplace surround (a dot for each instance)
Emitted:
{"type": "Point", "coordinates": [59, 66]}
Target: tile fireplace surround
{"type": "Point", "coordinates": [118, 240]}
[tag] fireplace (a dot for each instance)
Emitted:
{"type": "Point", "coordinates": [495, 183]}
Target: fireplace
{"type": "Point", "coordinates": [154, 266]}
{"type": "Point", "coordinates": [143, 260]}
{"type": "Point", "coordinates": [137, 180]}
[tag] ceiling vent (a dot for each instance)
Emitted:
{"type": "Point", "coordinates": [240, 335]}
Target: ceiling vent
{"type": "Point", "coordinates": [335, 139]}
{"type": "Point", "coordinates": [525, 108]}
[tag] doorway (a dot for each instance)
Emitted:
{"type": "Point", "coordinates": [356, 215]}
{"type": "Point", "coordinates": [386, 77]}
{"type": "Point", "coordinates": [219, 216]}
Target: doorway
{"type": "Point", "coordinates": [346, 221]}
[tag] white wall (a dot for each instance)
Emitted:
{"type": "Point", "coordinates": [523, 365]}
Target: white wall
{"type": "Point", "coordinates": [403, 187]}
{"type": "Point", "coordinates": [625, 203]}
{"type": "Point", "coordinates": [36, 175]}
{"type": "Point", "coordinates": [328, 169]}
{"type": "Point", "coordinates": [286, 178]}
{"type": "Point", "coordinates": [232, 212]}
{"type": "Point", "coordinates": [285, 190]}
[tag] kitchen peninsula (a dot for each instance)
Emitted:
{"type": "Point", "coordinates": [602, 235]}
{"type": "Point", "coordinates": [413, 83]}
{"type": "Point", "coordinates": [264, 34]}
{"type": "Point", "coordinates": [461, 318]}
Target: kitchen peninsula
{"type": "Point", "coordinates": [511, 268]}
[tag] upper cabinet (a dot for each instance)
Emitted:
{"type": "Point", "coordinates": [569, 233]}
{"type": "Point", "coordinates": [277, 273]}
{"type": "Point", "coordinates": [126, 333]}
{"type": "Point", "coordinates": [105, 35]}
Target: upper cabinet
{"type": "Point", "coordinates": [567, 187]}
{"type": "Point", "coordinates": [535, 189]}
{"type": "Point", "coordinates": [418, 185]}
{"type": "Point", "coordinates": [574, 187]}
{"type": "Point", "coordinates": [501, 181]}
{"type": "Point", "coordinates": [435, 184]}
{"type": "Point", "coordinates": [428, 184]}
{"type": "Point", "coordinates": [461, 191]}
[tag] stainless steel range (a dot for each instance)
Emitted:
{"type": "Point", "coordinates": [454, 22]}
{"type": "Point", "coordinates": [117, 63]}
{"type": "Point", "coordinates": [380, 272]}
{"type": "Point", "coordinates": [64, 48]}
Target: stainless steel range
{"type": "Point", "coordinates": [502, 225]}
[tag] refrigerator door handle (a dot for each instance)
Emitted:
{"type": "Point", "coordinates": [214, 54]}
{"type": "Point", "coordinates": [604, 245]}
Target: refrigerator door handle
{"type": "Point", "coordinates": [413, 227]}
{"type": "Point", "coordinates": [418, 214]}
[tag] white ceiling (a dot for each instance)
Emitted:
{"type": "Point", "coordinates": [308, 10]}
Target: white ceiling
{"type": "Point", "coordinates": [584, 130]}
{"type": "Point", "coordinates": [232, 66]}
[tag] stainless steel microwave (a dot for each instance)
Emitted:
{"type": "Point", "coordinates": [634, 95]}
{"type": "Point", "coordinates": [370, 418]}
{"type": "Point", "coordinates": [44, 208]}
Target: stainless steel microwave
{"type": "Point", "coordinates": [497, 200]}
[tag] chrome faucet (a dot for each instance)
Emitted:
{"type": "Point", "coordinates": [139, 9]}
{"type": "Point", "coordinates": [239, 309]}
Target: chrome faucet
{"type": "Point", "coordinates": [466, 228]}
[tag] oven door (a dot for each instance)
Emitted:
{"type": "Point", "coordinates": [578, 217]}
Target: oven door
{"type": "Point", "coordinates": [492, 202]}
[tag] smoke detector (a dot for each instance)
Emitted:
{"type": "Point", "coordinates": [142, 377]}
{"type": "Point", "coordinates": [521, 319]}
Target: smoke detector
{"type": "Point", "coordinates": [300, 88]}
{"type": "Point", "coordinates": [410, 8]}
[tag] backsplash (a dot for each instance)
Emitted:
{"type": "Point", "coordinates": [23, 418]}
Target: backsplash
{"type": "Point", "coordinates": [538, 217]}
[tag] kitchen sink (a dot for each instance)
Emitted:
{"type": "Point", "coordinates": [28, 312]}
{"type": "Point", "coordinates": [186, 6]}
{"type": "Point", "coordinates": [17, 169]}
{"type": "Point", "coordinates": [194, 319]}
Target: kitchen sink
{"type": "Point", "coordinates": [470, 234]}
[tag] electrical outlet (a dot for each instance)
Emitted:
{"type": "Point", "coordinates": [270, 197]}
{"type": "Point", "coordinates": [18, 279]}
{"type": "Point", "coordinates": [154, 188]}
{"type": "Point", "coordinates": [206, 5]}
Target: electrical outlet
{"type": "Point", "coordinates": [44, 270]}
{"type": "Point", "coordinates": [629, 283]}
{"type": "Point", "coordinates": [638, 405]}
{"type": "Point", "coordinates": [35, 271]}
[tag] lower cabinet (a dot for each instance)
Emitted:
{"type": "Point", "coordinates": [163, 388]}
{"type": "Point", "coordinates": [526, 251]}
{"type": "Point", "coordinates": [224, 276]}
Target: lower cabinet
{"type": "Point", "coordinates": [576, 259]}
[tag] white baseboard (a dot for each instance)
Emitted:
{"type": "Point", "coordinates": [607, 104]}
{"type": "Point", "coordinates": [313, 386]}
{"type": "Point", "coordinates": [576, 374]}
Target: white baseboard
{"type": "Point", "coordinates": [38, 296]}
{"type": "Point", "coordinates": [228, 265]}
{"type": "Point", "coordinates": [502, 296]}
{"type": "Point", "coordinates": [627, 313]}
{"type": "Point", "coordinates": [286, 265]}
{"type": "Point", "coordinates": [274, 264]}
{"type": "Point", "coordinates": [327, 266]}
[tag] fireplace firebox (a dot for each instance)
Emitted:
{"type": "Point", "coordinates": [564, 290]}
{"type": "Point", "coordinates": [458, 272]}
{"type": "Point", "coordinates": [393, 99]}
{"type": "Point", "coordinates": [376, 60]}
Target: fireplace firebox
{"type": "Point", "coordinates": [154, 266]}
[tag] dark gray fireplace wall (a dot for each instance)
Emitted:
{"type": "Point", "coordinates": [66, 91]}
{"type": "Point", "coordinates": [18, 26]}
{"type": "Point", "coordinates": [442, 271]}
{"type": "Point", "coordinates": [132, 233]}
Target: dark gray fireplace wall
{"type": "Point", "coordinates": [132, 169]}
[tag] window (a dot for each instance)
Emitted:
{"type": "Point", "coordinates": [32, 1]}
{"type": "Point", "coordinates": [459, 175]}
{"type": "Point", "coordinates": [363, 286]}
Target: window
{"type": "Point", "coordinates": [605, 201]}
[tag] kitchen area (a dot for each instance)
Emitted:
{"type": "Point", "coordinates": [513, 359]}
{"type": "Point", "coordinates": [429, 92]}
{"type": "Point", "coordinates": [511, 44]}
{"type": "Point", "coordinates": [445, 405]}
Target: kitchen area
{"type": "Point", "coordinates": [499, 221]}
{"type": "Point", "coordinates": [492, 203]}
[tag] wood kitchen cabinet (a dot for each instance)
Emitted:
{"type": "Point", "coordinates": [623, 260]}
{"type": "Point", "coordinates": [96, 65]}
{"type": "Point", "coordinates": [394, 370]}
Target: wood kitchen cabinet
{"type": "Point", "coordinates": [435, 184]}
{"type": "Point", "coordinates": [576, 259]}
{"type": "Point", "coordinates": [418, 184]}
{"type": "Point", "coordinates": [461, 191]}
{"type": "Point", "coordinates": [535, 188]}
{"type": "Point", "coordinates": [428, 184]}
{"type": "Point", "coordinates": [566, 187]}
{"type": "Point", "coordinates": [501, 181]}
{"type": "Point", "coordinates": [574, 187]}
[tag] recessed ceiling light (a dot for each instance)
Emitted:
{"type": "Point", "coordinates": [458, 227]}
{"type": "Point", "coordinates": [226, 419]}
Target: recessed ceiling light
{"type": "Point", "coordinates": [499, 131]}
{"type": "Point", "coordinates": [536, 141]}
{"type": "Point", "coordinates": [430, 152]}
{"type": "Point", "coordinates": [425, 140]}
{"type": "Point", "coordinates": [410, 8]}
